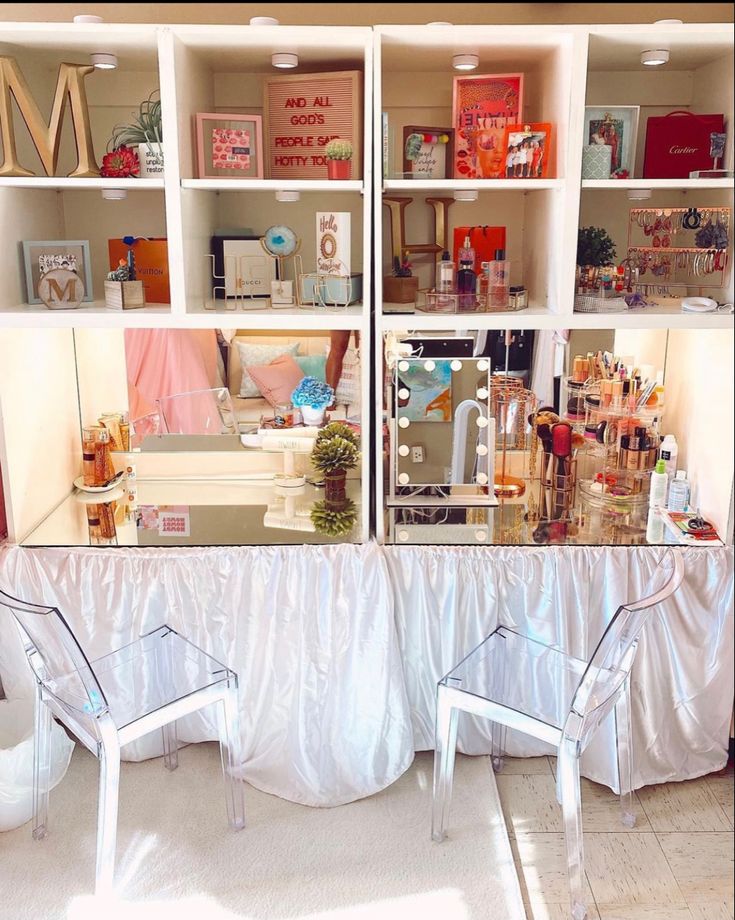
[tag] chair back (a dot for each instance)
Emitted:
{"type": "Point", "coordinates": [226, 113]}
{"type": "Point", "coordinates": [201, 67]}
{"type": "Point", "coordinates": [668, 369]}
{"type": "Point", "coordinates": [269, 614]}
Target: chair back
{"type": "Point", "coordinates": [56, 658]}
{"type": "Point", "coordinates": [198, 412]}
{"type": "Point", "coordinates": [613, 658]}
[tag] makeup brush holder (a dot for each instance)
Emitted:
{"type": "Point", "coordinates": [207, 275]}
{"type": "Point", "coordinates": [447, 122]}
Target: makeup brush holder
{"type": "Point", "coordinates": [557, 488]}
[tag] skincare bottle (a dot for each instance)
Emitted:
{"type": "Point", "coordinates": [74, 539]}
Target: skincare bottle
{"type": "Point", "coordinates": [679, 492]}
{"type": "Point", "coordinates": [669, 453]}
{"type": "Point", "coordinates": [447, 270]}
{"type": "Point", "coordinates": [466, 277]}
{"type": "Point", "coordinates": [659, 485]}
{"type": "Point", "coordinates": [101, 456]}
{"type": "Point", "coordinates": [125, 431]}
{"type": "Point", "coordinates": [499, 282]}
{"type": "Point", "coordinates": [88, 456]}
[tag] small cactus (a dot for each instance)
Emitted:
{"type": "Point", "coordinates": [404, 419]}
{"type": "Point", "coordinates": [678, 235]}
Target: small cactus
{"type": "Point", "coordinates": [338, 149]}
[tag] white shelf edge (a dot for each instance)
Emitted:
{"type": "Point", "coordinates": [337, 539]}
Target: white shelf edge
{"type": "Point", "coordinates": [274, 185]}
{"type": "Point", "coordinates": [481, 185]}
{"type": "Point", "coordinates": [69, 182]}
{"type": "Point", "coordinates": [676, 184]}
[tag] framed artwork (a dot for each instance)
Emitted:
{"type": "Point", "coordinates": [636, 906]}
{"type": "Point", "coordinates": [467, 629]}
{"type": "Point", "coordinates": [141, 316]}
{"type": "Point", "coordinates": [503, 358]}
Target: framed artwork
{"type": "Point", "coordinates": [617, 127]}
{"type": "Point", "coordinates": [428, 153]}
{"type": "Point", "coordinates": [527, 151]}
{"type": "Point", "coordinates": [242, 267]}
{"type": "Point", "coordinates": [302, 113]}
{"type": "Point", "coordinates": [41, 256]}
{"type": "Point", "coordinates": [482, 108]}
{"type": "Point", "coordinates": [430, 392]}
{"type": "Point", "coordinates": [229, 146]}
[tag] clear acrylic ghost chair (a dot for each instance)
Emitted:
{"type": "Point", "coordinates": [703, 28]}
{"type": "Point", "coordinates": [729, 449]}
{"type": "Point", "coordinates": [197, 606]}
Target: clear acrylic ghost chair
{"type": "Point", "coordinates": [537, 689]}
{"type": "Point", "coordinates": [113, 700]}
{"type": "Point", "coordinates": [198, 412]}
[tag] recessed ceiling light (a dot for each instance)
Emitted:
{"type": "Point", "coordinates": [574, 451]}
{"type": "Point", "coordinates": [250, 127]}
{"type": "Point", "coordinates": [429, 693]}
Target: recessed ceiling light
{"type": "Point", "coordinates": [263, 21]}
{"type": "Point", "coordinates": [285, 60]}
{"type": "Point", "coordinates": [655, 57]}
{"type": "Point", "coordinates": [467, 61]}
{"type": "Point", "coordinates": [104, 60]}
{"type": "Point", "coordinates": [87, 17]}
{"type": "Point", "coordinates": [639, 194]}
{"type": "Point", "coordinates": [438, 24]}
{"type": "Point", "coordinates": [288, 196]}
{"type": "Point", "coordinates": [114, 194]}
{"type": "Point", "coordinates": [469, 194]}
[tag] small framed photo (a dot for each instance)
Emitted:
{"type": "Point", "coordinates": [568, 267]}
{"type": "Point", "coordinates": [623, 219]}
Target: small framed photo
{"type": "Point", "coordinates": [428, 152]}
{"type": "Point", "coordinates": [229, 146]}
{"type": "Point", "coordinates": [483, 106]}
{"type": "Point", "coordinates": [41, 256]}
{"type": "Point", "coordinates": [617, 127]}
{"type": "Point", "coordinates": [527, 151]}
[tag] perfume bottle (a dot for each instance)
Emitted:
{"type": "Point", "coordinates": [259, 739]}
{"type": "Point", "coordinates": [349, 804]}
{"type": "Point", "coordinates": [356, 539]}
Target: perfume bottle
{"type": "Point", "coordinates": [499, 282]}
{"type": "Point", "coordinates": [446, 275]}
{"type": "Point", "coordinates": [466, 278]}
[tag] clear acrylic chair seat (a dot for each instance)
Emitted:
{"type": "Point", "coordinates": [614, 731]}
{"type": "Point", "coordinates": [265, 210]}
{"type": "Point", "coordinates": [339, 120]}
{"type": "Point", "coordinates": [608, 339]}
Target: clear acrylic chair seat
{"type": "Point", "coordinates": [198, 412]}
{"type": "Point", "coordinates": [113, 700]}
{"type": "Point", "coordinates": [521, 683]}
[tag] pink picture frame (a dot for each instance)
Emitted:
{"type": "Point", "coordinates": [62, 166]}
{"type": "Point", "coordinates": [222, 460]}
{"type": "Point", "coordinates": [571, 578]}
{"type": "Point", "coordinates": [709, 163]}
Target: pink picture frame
{"type": "Point", "coordinates": [483, 105]}
{"type": "Point", "coordinates": [229, 146]}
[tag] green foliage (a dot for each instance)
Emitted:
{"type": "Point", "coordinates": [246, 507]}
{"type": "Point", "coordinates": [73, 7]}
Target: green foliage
{"type": "Point", "coordinates": [333, 523]}
{"type": "Point", "coordinates": [335, 453]}
{"type": "Point", "coordinates": [338, 149]}
{"type": "Point", "coordinates": [594, 247]}
{"type": "Point", "coordinates": [338, 429]}
{"type": "Point", "coordinates": [145, 128]}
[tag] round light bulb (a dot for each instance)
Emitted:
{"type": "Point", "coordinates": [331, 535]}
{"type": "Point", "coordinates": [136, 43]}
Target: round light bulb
{"type": "Point", "coordinates": [466, 61]}
{"type": "Point", "coordinates": [482, 479]}
{"type": "Point", "coordinates": [481, 421]}
{"type": "Point", "coordinates": [404, 479]}
{"type": "Point", "coordinates": [104, 60]}
{"type": "Point", "coordinates": [481, 535]}
{"type": "Point", "coordinates": [403, 422]}
{"type": "Point", "coordinates": [403, 366]}
{"type": "Point", "coordinates": [481, 450]}
{"type": "Point", "coordinates": [404, 450]}
{"type": "Point", "coordinates": [655, 57]}
{"type": "Point", "coordinates": [285, 60]}
{"type": "Point", "coordinates": [403, 393]}
{"type": "Point", "coordinates": [456, 365]}
{"type": "Point", "coordinates": [482, 393]}
{"type": "Point", "coordinates": [483, 366]}
{"type": "Point", "coordinates": [403, 535]}
{"type": "Point", "coordinates": [429, 365]}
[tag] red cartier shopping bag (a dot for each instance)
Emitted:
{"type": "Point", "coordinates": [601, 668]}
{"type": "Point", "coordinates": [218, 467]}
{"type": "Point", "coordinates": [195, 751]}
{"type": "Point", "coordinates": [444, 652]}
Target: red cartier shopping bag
{"type": "Point", "coordinates": [679, 143]}
{"type": "Point", "coordinates": [484, 240]}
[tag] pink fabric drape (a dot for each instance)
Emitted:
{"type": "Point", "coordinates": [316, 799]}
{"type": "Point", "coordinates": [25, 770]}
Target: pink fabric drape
{"type": "Point", "coordinates": [163, 362]}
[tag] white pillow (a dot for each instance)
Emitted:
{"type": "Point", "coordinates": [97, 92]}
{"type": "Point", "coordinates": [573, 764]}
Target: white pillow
{"type": "Point", "coordinates": [254, 355]}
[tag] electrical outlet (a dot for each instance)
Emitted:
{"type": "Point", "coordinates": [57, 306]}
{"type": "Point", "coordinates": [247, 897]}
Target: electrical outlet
{"type": "Point", "coordinates": [417, 454]}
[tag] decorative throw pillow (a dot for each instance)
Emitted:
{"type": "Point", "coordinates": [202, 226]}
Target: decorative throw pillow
{"type": "Point", "coordinates": [277, 380]}
{"type": "Point", "coordinates": [255, 355]}
{"type": "Point", "coordinates": [348, 388]}
{"type": "Point", "coordinates": [313, 366]}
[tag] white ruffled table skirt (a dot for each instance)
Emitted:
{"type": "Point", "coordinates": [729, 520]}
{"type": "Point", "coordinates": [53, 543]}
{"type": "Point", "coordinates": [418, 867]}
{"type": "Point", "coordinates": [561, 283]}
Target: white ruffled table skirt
{"type": "Point", "coordinates": [339, 648]}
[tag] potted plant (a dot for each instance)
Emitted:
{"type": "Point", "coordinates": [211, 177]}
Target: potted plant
{"type": "Point", "coordinates": [339, 159]}
{"type": "Point", "coordinates": [144, 134]}
{"type": "Point", "coordinates": [336, 451]}
{"type": "Point", "coordinates": [122, 290]}
{"type": "Point", "coordinates": [401, 286]}
{"type": "Point", "coordinates": [331, 521]}
{"type": "Point", "coordinates": [595, 249]}
{"type": "Point", "coordinates": [312, 396]}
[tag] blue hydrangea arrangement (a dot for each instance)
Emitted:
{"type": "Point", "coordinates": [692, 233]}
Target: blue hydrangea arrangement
{"type": "Point", "coordinates": [312, 392]}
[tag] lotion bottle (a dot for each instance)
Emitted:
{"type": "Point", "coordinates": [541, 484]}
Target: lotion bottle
{"type": "Point", "coordinates": [446, 275]}
{"type": "Point", "coordinates": [679, 492]}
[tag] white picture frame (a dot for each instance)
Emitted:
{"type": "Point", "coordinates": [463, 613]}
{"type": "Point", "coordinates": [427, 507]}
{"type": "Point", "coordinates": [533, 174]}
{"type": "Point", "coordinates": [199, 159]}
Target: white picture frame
{"type": "Point", "coordinates": [624, 119]}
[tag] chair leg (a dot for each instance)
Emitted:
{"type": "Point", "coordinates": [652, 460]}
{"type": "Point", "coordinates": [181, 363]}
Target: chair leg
{"type": "Point", "coordinates": [230, 745]}
{"type": "Point", "coordinates": [445, 745]}
{"type": "Point", "coordinates": [107, 809]}
{"type": "Point", "coordinates": [568, 767]}
{"type": "Point", "coordinates": [624, 741]}
{"type": "Point", "coordinates": [170, 746]}
{"type": "Point", "coordinates": [41, 766]}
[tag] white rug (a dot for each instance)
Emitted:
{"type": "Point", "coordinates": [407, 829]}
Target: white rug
{"type": "Point", "coordinates": [177, 859]}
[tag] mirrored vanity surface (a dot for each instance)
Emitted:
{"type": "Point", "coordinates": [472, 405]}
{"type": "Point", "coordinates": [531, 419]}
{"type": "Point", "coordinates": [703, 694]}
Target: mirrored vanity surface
{"type": "Point", "coordinates": [200, 513]}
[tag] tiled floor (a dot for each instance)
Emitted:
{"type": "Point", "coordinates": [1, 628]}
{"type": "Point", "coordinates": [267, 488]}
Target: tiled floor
{"type": "Point", "coordinates": [675, 864]}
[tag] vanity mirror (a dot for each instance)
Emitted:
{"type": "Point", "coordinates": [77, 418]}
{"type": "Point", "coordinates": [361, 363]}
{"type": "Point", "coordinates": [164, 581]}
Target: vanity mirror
{"type": "Point", "coordinates": [444, 435]}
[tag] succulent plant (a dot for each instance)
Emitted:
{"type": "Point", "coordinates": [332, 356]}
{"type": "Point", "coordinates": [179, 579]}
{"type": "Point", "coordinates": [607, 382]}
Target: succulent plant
{"type": "Point", "coordinates": [338, 429]}
{"type": "Point", "coordinates": [402, 268]}
{"type": "Point", "coordinates": [338, 149]}
{"type": "Point", "coordinates": [145, 128]}
{"type": "Point", "coordinates": [334, 522]}
{"type": "Point", "coordinates": [594, 247]}
{"type": "Point", "coordinates": [335, 453]}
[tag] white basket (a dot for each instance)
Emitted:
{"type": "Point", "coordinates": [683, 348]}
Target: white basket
{"type": "Point", "coordinates": [585, 303]}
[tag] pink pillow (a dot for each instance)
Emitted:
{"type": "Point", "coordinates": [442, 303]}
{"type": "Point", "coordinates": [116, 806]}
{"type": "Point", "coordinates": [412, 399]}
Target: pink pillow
{"type": "Point", "coordinates": [277, 380]}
